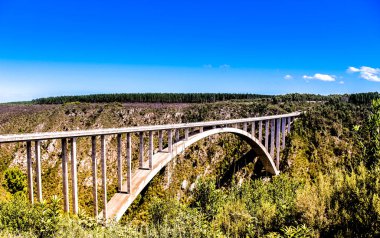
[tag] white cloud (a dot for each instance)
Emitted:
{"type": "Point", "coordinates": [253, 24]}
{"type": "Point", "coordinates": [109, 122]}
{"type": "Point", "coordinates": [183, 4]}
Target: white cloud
{"type": "Point", "coordinates": [341, 82]}
{"type": "Point", "coordinates": [288, 76]}
{"type": "Point", "coordinates": [322, 77]}
{"type": "Point", "coordinates": [368, 73]}
{"type": "Point", "coordinates": [225, 66]}
{"type": "Point", "coordinates": [353, 70]}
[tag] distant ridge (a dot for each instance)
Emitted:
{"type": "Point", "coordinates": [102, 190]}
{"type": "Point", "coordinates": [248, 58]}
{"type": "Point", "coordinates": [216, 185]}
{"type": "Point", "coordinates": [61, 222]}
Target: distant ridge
{"type": "Point", "coordinates": [149, 98]}
{"type": "Point", "coordinates": [358, 98]}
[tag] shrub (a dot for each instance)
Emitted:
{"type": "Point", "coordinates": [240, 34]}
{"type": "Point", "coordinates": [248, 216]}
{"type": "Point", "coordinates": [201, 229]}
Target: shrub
{"type": "Point", "coordinates": [14, 180]}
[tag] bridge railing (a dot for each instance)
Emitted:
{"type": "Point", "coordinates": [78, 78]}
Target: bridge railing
{"type": "Point", "coordinates": [268, 130]}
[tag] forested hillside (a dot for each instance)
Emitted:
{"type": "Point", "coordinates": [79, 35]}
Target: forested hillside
{"type": "Point", "coordinates": [328, 186]}
{"type": "Point", "coordinates": [188, 98]}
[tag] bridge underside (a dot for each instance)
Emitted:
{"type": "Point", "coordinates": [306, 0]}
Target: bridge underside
{"type": "Point", "coordinates": [120, 202]}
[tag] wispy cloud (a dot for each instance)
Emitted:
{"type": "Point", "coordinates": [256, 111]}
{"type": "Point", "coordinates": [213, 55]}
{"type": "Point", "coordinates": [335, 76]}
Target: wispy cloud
{"type": "Point", "coordinates": [225, 66]}
{"type": "Point", "coordinates": [341, 82]}
{"type": "Point", "coordinates": [288, 77]}
{"type": "Point", "coordinates": [322, 77]}
{"type": "Point", "coordinates": [368, 73]}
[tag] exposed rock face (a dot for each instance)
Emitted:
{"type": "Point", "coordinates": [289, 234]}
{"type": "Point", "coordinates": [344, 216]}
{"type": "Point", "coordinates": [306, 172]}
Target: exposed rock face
{"type": "Point", "coordinates": [184, 184]}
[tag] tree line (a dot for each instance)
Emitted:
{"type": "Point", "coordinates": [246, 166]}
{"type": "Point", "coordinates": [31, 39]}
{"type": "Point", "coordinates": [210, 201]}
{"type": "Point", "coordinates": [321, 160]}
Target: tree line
{"type": "Point", "coordinates": [359, 98]}
{"type": "Point", "coordinates": [149, 98]}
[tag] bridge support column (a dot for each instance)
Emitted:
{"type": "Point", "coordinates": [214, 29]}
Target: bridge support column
{"type": "Point", "coordinates": [150, 150]}
{"type": "Point", "coordinates": [160, 141]}
{"type": "Point", "coordinates": [186, 133]}
{"type": "Point", "coordinates": [283, 128]}
{"type": "Point", "coordinates": [261, 131]}
{"type": "Point", "coordinates": [200, 129]}
{"type": "Point", "coordinates": [38, 170]}
{"type": "Point", "coordinates": [272, 136]}
{"type": "Point", "coordinates": [289, 124]}
{"type": "Point", "coordinates": [129, 165]}
{"type": "Point", "coordinates": [176, 135]}
{"type": "Point", "coordinates": [141, 157]}
{"type": "Point", "coordinates": [253, 130]}
{"type": "Point", "coordinates": [267, 134]}
{"type": "Point", "coordinates": [245, 126]}
{"type": "Point", "coordinates": [65, 176]}
{"type": "Point", "coordinates": [278, 148]}
{"type": "Point", "coordinates": [94, 176]}
{"type": "Point", "coordinates": [29, 170]}
{"type": "Point", "coordinates": [74, 176]}
{"type": "Point", "coordinates": [119, 164]}
{"type": "Point", "coordinates": [104, 175]}
{"type": "Point", "coordinates": [170, 141]}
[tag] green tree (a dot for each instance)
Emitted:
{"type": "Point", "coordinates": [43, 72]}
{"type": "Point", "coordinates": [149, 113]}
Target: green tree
{"type": "Point", "coordinates": [14, 180]}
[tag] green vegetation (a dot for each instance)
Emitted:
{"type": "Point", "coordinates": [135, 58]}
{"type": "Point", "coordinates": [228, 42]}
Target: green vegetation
{"type": "Point", "coordinates": [328, 187]}
{"type": "Point", "coordinates": [149, 98]}
{"type": "Point", "coordinates": [191, 98]}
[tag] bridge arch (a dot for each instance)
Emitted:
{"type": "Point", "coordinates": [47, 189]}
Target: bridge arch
{"type": "Point", "coordinates": [120, 202]}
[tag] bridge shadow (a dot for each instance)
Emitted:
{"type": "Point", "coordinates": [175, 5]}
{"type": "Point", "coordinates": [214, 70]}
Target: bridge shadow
{"type": "Point", "coordinates": [249, 158]}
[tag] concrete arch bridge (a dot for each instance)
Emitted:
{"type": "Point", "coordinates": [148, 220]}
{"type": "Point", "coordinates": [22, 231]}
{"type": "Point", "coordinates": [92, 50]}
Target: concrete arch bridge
{"type": "Point", "coordinates": [265, 134]}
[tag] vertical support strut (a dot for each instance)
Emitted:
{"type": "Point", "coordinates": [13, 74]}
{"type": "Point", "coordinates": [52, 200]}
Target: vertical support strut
{"type": "Point", "coordinates": [289, 124]}
{"type": "Point", "coordinates": [150, 150]}
{"type": "Point", "coordinates": [30, 170]}
{"type": "Point", "coordinates": [253, 129]}
{"type": "Point", "coordinates": [283, 132]}
{"type": "Point", "coordinates": [104, 175]}
{"type": "Point", "coordinates": [129, 165]}
{"type": "Point", "coordinates": [261, 131]}
{"type": "Point", "coordinates": [278, 148]}
{"type": "Point", "coordinates": [245, 126]}
{"type": "Point", "coordinates": [65, 176]}
{"type": "Point", "coordinates": [201, 129]}
{"type": "Point", "coordinates": [272, 136]}
{"type": "Point", "coordinates": [119, 164]}
{"type": "Point", "coordinates": [38, 170]}
{"type": "Point", "coordinates": [186, 133]}
{"type": "Point", "coordinates": [160, 141]}
{"type": "Point", "coordinates": [74, 176]}
{"type": "Point", "coordinates": [176, 135]}
{"type": "Point", "coordinates": [141, 158]}
{"type": "Point", "coordinates": [170, 142]}
{"type": "Point", "coordinates": [267, 134]}
{"type": "Point", "coordinates": [94, 176]}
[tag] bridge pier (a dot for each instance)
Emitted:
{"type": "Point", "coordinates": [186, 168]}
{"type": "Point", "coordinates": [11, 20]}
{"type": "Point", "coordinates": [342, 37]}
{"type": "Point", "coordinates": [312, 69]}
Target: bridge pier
{"type": "Point", "coordinates": [38, 170]}
{"type": "Point", "coordinates": [65, 176]}
{"type": "Point", "coordinates": [119, 164]}
{"type": "Point", "coordinates": [186, 133]}
{"type": "Point", "coordinates": [104, 174]}
{"type": "Point", "coordinates": [129, 165]}
{"type": "Point", "coordinates": [94, 176]}
{"type": "Point", "coordinates": [74, 175]}
{"type": "Point", "coordinates": [278, 124]}
{"type": "Point", "coordinates": [272, 136]}
{"type": "Point", "coordinates": [141, 157]}
{"type": "Point", "coordinates": [267, 134]}
{"type": "Point", "coordinates": [160, 140]}
{"type": "Point", "coordinates": [151, 150]}
{"type": "Point", "coordinates": [29, 170]}
{"type": "Point", "coordinates": [253, 129]}
{"type": "Point", "coordinates": [283, 128]}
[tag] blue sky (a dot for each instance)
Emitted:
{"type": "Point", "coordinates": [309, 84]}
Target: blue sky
{"type": "Point", "coordinates": [50, 48]}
